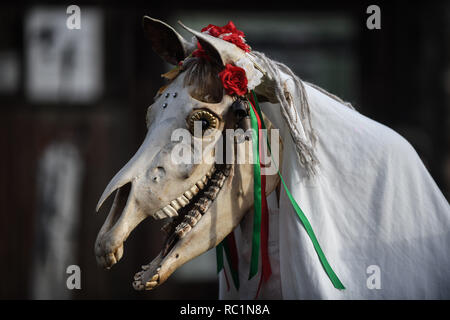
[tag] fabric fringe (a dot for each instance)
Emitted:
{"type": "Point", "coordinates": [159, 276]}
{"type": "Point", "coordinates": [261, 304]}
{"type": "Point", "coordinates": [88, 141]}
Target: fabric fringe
{"type": "Point", "coordinates": [291, 102]}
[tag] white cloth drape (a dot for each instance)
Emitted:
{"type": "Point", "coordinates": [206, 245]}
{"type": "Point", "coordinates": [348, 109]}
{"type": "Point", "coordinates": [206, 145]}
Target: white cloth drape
{"type": "Point", "coordinates": [373, 203]}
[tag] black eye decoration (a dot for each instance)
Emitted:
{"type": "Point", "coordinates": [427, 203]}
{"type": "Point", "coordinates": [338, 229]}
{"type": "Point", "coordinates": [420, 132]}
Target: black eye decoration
{"type": "Point", "coordinates": [207, 119]}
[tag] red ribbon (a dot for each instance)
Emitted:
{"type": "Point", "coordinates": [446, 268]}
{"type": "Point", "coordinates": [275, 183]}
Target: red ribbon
{"type": "Point", "coordinates": [266, 270]}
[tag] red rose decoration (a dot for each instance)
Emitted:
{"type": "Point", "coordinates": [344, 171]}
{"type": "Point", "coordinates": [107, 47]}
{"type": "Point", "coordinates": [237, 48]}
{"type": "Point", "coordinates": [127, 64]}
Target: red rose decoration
{"type": "Point", "coordinates": [231, 28]}
{"type": "Point", "coordinates": [213, 30]}
{"type": "Point", "coordinates": [238, 41]}
{"type": "Point", "coordinates": [216, 31]}
{"type": "Point", "coordinates": [229, 33]}
{"type": "Point", "coordinates": [234, 80]}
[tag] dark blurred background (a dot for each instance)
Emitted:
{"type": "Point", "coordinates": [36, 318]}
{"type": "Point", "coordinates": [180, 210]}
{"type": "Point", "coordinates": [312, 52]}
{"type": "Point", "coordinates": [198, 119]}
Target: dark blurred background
{"type": "Point", "coordinates": [73, 103]}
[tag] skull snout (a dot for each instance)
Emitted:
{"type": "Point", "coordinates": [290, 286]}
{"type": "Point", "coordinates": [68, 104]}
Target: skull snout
{"type": "Point", "coordinates": [122, 219]}
{"type": "Point", "coordinates": [144, 187]}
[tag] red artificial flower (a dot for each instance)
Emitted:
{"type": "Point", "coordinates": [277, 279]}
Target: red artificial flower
{"type": "Point", "coordinates": [229, 33]}
{"type": "Point", "coordinates": [216, 31]}
{"type": "Point", "coordinates": [238, 41]}
{"type": "Point", "coordinates": [213, 30]}
{"type": "Point", "coordinates": [234, 80]}
{"type": "Point", "coordinates": [231, 28]}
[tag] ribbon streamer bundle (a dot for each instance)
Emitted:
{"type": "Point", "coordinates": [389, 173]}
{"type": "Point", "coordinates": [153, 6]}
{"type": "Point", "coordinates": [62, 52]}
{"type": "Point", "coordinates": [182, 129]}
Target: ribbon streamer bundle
{"type": "Point", "coordinates": [261, 219]}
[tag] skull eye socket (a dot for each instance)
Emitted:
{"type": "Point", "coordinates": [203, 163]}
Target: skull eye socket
{"type": "Point", "coordinates": [207, 120]}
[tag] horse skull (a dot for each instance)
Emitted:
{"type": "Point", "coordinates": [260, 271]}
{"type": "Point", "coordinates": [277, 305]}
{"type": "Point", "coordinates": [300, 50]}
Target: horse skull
{"type": "Point", "coordinates": [205, 201]}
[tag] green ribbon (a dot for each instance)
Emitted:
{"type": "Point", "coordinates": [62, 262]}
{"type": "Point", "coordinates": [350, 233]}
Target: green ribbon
{"type": "Point", "coordinates": [257, 196]}
{"type": "Point", "coordinates": [219, 256]}
{"type": "Point", "coordinates": [234, 272]}
{"type": "Point", "coordinates": [331, 274]}
{"type": "Point", "coordinates": [257, 213]}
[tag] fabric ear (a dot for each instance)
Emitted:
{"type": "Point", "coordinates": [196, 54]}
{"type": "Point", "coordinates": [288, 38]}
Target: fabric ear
{"type": "Point", "coordinates": [166, 42]}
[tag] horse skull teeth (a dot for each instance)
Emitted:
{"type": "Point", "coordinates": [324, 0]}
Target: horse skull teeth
{"type": "Point", "coordinates": [188, 195]}
{"type": "Point", "coordinates": [183, 201]}
{"type": "Point", "coordinates": [137, 285]}
{"type": "Point", "coordinates": [159, 215]}
{"type": "Point", "coordinates": [204, 201]}
{"type": "Point", "coordinates": [150, 285]}
{"type": "Point", "coordinates": [200, 184]}
{"type": "Point", "coordinates": [219, 175]}
{"type": "Point", "coordinates": [170, 211]}
{"type": "Point", "coordinates": [191, 220]}
{"type": "Point", "coordinates": [227, 172]}
{"type": "Point", "coordinates": [194, 189]}
{"type": "Point", "coordinates": [210, 184]}
{"type": "Point", "coordinates": [138, 275]}
{"type": "Point", "coordinates": [175, 205]}
{"type": "Point", "coordinates": [155, 277]}
{"type": "Point", "coordinates": [203, 204]}
{"type": "Point", "coordinates": [212, 192]}
{"type": "Point", "coordinates": [195, 213]}
{"type": "Point", "coordinates": [182, 229]}
{"type": "Point", "coordinates": [218, 182]}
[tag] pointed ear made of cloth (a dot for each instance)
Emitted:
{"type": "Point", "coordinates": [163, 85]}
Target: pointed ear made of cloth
{"type": "Point", "coordinates": [166, 42]}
